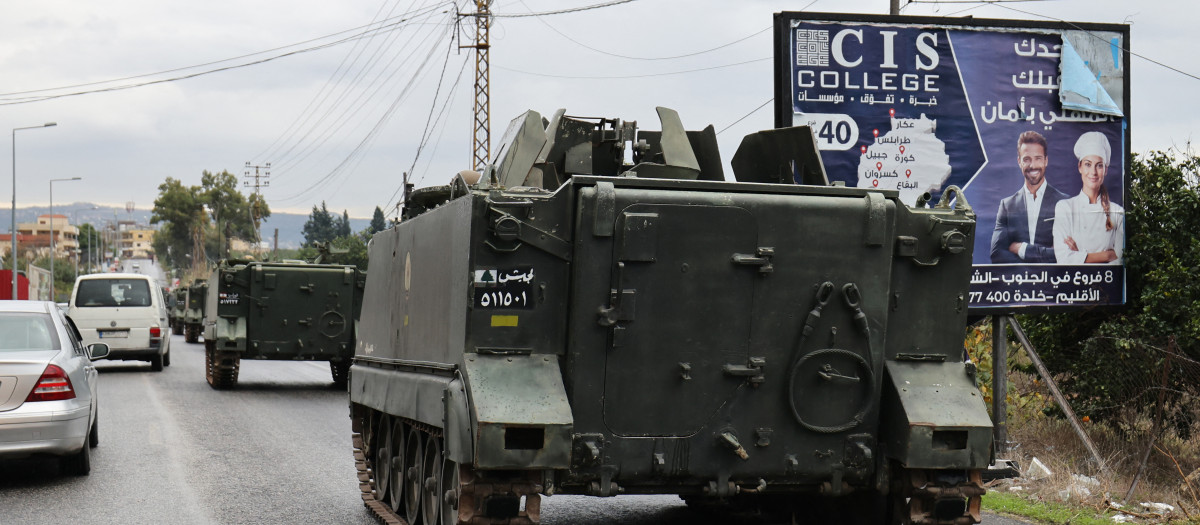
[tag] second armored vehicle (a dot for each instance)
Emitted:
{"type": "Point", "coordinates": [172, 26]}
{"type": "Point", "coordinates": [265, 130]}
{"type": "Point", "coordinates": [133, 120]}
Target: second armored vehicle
{"type": "Point", "coordinates": [280, 311]}
{"type": "Point", "coordinates": [193, 310]}
{"type": "Point", "coordinates": [176, 303]}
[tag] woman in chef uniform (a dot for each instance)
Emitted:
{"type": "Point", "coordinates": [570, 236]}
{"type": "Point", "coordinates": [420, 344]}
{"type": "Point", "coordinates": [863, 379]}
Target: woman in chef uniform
{"type": "Point", "coordinates": [1089, 228]}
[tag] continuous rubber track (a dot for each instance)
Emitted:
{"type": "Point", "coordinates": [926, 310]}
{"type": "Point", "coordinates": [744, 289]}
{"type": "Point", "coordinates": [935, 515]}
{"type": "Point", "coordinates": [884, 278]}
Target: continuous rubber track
{"type": "Point", "coordinates": [366, 484]}
{"type": "Point", "coordinates": [191, 333]}
{"type": "Point", "coordinates": [464, 499]}
{"type": "Point", "coordinates": [221, 368]}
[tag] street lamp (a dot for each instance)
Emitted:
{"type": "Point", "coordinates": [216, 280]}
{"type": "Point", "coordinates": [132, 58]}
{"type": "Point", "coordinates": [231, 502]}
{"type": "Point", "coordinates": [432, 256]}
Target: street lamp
{"type": "Point", "coordinates": [53, 253]}
{"type": "Point", "coordinates": [14, 203]}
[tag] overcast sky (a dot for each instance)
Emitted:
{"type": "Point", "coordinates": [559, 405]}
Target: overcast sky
{"type": "Point", "coordinates": [341, 122]}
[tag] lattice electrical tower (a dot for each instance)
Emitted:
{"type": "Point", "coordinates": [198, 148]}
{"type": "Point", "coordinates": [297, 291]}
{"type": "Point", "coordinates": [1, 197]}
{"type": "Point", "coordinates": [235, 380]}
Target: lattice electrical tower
{"type": "Point", "coordinates": [262, 179]}
{"type": "Point", "coordinates": [482, 140]}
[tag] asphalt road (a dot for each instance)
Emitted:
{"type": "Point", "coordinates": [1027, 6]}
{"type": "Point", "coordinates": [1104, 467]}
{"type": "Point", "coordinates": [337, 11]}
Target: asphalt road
{"type": "Point", "coordinates": [172, 450]}
{"type": "Point", "coordinates": [276, 450]}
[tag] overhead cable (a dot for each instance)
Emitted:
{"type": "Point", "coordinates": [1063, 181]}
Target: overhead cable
{"type": "Point", "coordinates": [563, 11]}
{"type": "Point", "coordinates": [7, 99]}
{"type": "Point", "coordinates": [1098, 37]}
{"type": "Point", "coordinates": [617, 77]}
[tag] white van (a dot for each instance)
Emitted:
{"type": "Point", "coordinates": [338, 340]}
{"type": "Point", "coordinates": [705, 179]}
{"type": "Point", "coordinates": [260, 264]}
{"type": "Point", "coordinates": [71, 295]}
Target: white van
{"type": "Point", "coordinates": [125, 311]}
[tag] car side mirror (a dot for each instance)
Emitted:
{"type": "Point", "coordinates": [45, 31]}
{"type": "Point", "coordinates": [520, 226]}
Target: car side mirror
{"type": "Point", "coordinates": [97, 351]}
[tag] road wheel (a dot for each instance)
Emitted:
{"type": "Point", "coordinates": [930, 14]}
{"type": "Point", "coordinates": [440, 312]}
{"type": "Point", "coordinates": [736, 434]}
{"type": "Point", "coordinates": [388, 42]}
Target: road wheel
{"type": "Point", "coordinates": [383, 457]}
{"type": "Point", "coordinates": [432, 483]}
{"type": "Point", "coordinates": [94, 433]}
{"type": "Point", "coordinates": [414, 475]}
{"type": "Point", "coordinates": [79, 463]}
{"type": "Point", "coordinates": [156, 363]}
{"type": "Point", "coordinates": [396, 486]}
{"type": "Point", "coordinates": [449, 490]}
{"type": "Point", "coordinates": [369, 419]}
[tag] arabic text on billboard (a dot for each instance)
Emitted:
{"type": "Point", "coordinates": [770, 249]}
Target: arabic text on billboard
{"type": "Point", "coordinates": [1030, 122]}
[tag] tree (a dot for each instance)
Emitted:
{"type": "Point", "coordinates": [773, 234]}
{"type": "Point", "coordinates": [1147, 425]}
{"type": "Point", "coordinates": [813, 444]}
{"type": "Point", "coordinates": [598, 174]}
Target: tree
{"type": "Point", "coordinates": [181, 208]}
{"type": "Point", "coordinates": [378, 222]}
{"type": "Point", "coordinates": [1100, 350]}
{"type": "Point", "coordinates": [89, 243]}
{"type": "Point", "coordinates": [259, 210]}
{"type": "Point", "coordinates": [186, 211]}
{"type": "Point", "coordinates": [344, 225]}
{"type": "Point", "coordinates": [356, 252]}
{"type": "Point", "coordinates": [228, 208]}
{"type": "Point", "coordinates": [320, 226]}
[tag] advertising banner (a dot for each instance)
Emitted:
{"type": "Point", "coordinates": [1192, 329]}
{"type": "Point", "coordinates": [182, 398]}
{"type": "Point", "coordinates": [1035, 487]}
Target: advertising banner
{"type": "Point", "coordinates": [1029, 119]}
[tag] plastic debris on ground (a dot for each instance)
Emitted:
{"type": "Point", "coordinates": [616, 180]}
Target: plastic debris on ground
{"type": "Point", "coordinates": [1037, 470]}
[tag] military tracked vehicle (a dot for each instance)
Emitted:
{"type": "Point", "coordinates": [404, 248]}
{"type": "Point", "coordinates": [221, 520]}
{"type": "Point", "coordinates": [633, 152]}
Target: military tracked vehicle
{"type": "Point", "coordinates": [280, 311]}
{"type": "Point", "coordinates": [177, 303]}
{"type": "Point", "coordinates": [571, 323]}
{"type": "Point", "coordinates": [193, 311]}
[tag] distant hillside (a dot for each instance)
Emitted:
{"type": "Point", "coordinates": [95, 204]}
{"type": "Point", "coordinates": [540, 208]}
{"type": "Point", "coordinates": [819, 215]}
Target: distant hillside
{"type": "Point", "coordinates": [291, 228]}
{"type": "Point", "coordinates": [290, 225]}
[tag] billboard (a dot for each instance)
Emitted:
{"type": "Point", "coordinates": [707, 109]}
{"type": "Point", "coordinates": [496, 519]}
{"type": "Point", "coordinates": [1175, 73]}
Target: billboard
{"type": "Point", "coordinates": [1030, 119]}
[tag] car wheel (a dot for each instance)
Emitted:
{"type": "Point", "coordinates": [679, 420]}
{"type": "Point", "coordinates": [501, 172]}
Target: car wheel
{"type": "Point", "coordinates": [156, 363]}
{"type": "Point", "coordinates": [167, 358]}
{"type": "Point", "coordinates": [79, 463]}
{"type": "Point", "coordinates": [94, 434]}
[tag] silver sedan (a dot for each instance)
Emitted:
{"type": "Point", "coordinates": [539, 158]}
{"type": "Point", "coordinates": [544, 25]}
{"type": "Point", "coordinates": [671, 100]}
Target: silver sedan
{"type": "Point", "coordinates": [48, 402]}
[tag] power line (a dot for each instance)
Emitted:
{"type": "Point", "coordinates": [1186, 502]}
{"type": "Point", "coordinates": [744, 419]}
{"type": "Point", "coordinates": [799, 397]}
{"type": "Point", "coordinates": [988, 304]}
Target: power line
{"type": "Point", "coordinates": [368, 139]}
{"type": "Point", "coordinates": [753, 111]}
{"type": "Point", "coordinates": [972, 1]}
{"type": "Point", "coordinates": [27, 100]}
{"type": "Point", "coordinates": [431, 122]}
{"type": "Point", "coordinates": [343, 109]}
{"type": "Point", "coordinates": [647, 75]}
{"type": "Point", "coordinates": [322, 95]}
{"type": "Point", "coordinates": [1093, 35]}
{"type": "Point", "coordinates": [394, 24]}
{"type": "Point", "coordinates": [565, 11]}
{"type": "Point", "coordinates": [603, 52]}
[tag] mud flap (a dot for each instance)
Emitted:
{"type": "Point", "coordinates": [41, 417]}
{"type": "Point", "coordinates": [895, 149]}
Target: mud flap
{"type": "Point", "coordinates": [520, 412]}
{"type": "Point", "coordinates": [934, 417]}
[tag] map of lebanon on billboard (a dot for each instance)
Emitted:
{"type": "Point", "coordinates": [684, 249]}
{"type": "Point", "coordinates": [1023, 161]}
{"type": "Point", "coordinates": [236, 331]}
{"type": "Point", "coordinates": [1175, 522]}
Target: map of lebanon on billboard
{"type": "Point", "coordinates": [1030, 119]}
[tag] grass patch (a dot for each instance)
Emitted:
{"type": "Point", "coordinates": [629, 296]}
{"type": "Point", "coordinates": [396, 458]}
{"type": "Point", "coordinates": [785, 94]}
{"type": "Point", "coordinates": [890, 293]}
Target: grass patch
{"type": "Point", "coordinates": [1042, 511]}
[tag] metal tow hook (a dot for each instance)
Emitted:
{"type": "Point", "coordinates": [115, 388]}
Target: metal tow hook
{"type": "Point", "coordinates": [732, 442]}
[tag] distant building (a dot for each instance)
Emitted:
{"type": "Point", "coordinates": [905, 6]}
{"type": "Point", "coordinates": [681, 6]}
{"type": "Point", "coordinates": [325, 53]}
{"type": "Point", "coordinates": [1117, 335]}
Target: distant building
{"type": "Point", "coordinates": [136, 243]}
{"type": "Point", "coordinates": [34, 238]}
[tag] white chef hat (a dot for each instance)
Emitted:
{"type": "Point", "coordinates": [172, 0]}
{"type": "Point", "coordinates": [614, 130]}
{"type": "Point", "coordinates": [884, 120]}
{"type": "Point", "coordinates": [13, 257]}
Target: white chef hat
{"type": "Point", "coordinates": [1093, 143]}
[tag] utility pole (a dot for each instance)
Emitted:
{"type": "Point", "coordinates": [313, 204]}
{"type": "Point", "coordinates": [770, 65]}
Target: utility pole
{"type": "Point", "coordinates": [895, 8]}
{"type": "Point", "coordinates": [482, 140]}
{"type": "Point", "coordinates": [261, 176]}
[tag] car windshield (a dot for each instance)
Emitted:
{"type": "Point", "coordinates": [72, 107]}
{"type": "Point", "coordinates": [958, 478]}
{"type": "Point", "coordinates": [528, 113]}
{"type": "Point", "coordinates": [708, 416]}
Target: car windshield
{"type": "Point", "coordinates": [26, 331]}
{"type": "Point", "coordinates": [112, 292]}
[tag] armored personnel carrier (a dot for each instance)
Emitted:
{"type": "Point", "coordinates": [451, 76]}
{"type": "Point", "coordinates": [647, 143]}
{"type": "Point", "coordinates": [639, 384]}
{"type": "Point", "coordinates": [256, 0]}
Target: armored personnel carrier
{"type": "Point", "coordinates": [177, 303]}
{"type": "Point", "coordinates": [567, 322]}
{"type": "Point", "coordinates": [193, 311]}
{"type": "Point", "coordinates": [280, 311]}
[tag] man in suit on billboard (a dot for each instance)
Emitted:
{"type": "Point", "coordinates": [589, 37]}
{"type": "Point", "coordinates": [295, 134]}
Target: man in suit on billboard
{"type": "Point", "coordinates": [1025, 221]}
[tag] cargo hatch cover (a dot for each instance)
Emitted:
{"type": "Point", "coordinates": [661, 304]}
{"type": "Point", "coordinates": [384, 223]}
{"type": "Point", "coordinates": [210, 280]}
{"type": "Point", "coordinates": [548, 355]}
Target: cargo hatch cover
{"type": "Point", "coordinates": [685, 312]}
